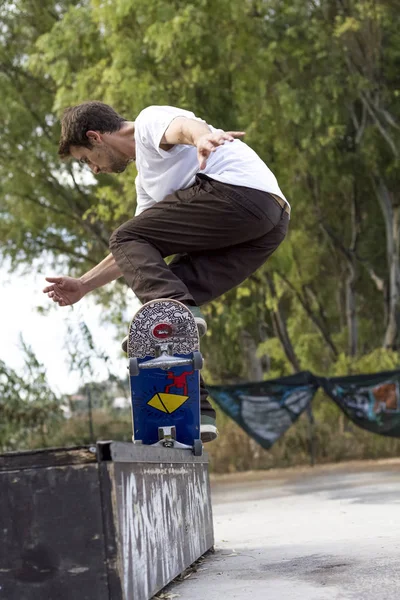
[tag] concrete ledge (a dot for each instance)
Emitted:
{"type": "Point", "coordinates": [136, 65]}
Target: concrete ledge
{"type": "Point", "coordinates": [112, 522]}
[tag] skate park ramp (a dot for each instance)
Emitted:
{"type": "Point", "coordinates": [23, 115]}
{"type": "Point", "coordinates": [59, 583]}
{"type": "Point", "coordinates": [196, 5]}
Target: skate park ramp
{"type": "Point", "coordinates": [113, 521]}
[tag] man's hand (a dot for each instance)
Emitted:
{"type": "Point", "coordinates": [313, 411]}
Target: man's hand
{"type": "Point", "coordinates": [195, 132]}
{"type": "Point", "coordinates": [209, 142]}
{"type": "Point", "coordinates": [68, 290]}
{"type": "Point", "coordinates": [65, 290]}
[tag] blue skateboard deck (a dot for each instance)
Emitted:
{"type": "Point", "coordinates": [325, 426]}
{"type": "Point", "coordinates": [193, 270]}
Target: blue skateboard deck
{"type": "Point", "coordinates": [165, 394]}
{"type": "Point", "coordinates": [162, 398]}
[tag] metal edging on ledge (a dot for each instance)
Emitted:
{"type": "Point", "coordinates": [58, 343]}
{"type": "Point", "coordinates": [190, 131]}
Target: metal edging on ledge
{"type": "Point", "coordinates": [125, 452]}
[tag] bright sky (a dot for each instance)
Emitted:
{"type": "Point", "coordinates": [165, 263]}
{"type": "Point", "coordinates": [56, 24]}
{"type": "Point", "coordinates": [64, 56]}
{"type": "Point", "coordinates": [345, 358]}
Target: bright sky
{"type": "Point", "coordinates": [20, 297]}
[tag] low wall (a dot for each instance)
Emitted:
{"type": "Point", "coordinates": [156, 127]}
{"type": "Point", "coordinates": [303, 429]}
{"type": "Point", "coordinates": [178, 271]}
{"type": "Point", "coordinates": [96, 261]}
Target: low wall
{"type": "Point", "coordinates": [115, 521]}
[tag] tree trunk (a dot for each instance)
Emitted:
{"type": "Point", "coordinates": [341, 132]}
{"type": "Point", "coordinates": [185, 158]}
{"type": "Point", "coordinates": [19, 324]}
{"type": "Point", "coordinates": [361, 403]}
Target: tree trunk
{"type": "Point", "coordinates": [391, 215]}
{"type": "Point", "coordinates": [350, 254]}
{"type": "Point", "coordinates": [253, 362]}
{"type": "Point", "coordinates": [320, 323]}
{"type": "Point", "coordinates": [280, 328]}
{"type": "Point", "coordinates": [351, 314]}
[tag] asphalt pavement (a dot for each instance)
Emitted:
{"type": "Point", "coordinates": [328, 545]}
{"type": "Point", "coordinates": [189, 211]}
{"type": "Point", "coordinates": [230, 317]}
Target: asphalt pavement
{"type": "Point", "coordinates": [327, 533]}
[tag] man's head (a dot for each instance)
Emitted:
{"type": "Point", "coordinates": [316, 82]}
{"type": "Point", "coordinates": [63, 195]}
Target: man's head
{"type": "Point", "coordinates": [91, 133]}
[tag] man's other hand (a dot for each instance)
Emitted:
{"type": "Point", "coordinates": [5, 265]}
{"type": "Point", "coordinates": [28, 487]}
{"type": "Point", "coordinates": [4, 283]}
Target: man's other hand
{"type": "Point", "coordinates": [211, 141]}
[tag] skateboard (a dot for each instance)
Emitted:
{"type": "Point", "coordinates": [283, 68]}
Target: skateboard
{"type": "Point", "coordinates": [164, 369]}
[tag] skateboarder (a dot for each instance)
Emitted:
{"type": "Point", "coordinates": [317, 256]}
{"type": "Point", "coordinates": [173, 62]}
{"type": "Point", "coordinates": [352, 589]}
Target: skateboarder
{"type": "Point", "coordinates": [202, 195]}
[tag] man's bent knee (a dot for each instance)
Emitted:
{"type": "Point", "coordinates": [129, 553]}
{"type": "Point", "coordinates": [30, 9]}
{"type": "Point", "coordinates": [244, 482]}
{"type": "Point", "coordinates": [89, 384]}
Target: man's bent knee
{"type": "Point", "coordinates": [113, 242]}
{"type": "Point", "coordinates": [123, 233]}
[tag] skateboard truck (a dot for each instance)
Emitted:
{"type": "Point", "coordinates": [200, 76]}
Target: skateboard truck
{"type": "Point", "coordinates": [165, 361]}
{"type": "Point", "coordinates": [167, 438]}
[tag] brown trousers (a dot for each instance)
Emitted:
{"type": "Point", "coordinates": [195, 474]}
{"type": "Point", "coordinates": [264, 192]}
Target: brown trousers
{"type": "Point", "coordinates": [219, 233]}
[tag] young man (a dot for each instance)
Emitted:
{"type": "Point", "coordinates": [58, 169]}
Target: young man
{"type": "Point", "coordinates": [202, 195]}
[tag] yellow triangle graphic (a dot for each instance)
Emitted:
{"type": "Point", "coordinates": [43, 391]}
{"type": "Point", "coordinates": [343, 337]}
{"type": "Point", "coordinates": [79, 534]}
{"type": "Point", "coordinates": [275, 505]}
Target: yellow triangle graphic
{"type": "Point", "coordinates": [155, 402]}
{"type": "Point", "coordinates": [172, 401]}
{"type": "Point", "coordinates": [167, 402]}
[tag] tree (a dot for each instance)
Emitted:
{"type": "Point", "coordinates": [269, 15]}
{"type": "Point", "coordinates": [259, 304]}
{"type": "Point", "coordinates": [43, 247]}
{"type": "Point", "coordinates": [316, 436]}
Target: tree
{"type": "Point", "coordinates": [28, 407]}
{"type": "Point", "coordinates": [315, 86]}
{"type": "Point", "coordinates": [50, 212]}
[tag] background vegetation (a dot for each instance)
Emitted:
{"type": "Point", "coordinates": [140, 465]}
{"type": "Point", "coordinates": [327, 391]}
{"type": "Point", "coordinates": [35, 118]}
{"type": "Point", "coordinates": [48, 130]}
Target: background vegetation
{"type": "Point", "coordinates": [316, 85]}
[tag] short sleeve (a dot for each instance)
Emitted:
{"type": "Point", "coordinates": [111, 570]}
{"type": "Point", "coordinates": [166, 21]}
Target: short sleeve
{"type": "Point", "coordinates": [152, 123]}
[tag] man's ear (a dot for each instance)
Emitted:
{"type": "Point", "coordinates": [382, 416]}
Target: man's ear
{"type": "Point", "coordinates": [94, 137]}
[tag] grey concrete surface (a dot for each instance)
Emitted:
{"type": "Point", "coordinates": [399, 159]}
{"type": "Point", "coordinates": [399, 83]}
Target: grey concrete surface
{"type": "Point", "coordinates": [328, 533]}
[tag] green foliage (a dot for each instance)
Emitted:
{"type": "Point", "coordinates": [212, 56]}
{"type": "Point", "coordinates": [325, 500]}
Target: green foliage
{"type": "Point", "coordinates": [305, 82]}
{"type": "Point", "coordinates": [28, 407]}
{"type": "Point", "coordinates": [46, 208]}
{"type": "Point", "coordinates": [75, 431]}
{"type": "Point", "coordinates": [315, 86]}
{"type": "Point", "coordinates": [373, 362]}
{"type": "Point", "coordinates": [102, 393]}
{"type": "Point", "coordinates": [82, 351]}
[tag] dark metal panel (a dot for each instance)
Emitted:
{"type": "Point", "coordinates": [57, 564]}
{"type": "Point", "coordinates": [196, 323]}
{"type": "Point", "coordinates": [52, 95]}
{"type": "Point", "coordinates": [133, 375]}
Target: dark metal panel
{"type": "Point", "coordinates": [52, 543]}
{"type": "Point", "coordinates": [119, 528]}
{"type": "Point", "coordinates": [49, 457]}
{"type": "Point", "coordinates": [110, 517]}
{"type": "Point", "coordinates": [165, 520]}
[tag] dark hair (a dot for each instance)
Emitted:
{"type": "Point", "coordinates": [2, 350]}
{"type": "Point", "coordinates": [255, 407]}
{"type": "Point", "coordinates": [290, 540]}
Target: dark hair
{"type": "Point", "coordinates": [88, 116]}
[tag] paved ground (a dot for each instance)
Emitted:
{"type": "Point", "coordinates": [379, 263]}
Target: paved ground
{"type": "Point", "coordinates": [329, 533]}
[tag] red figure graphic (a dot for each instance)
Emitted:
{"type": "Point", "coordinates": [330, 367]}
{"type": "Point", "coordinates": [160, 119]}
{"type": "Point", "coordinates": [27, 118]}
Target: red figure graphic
{"type": "Point", "coordinates": [178, 381]}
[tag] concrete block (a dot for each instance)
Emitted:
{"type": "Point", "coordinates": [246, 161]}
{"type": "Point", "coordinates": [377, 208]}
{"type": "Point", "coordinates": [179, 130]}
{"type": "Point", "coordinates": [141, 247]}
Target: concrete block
{"type": "Point", "coordinates": [113, 522]}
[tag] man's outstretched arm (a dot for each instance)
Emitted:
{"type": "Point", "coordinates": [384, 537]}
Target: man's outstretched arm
{"type": "Point", "coordinates": [197, 133]}
{"type": "Point", "coordinates": [69, 290]}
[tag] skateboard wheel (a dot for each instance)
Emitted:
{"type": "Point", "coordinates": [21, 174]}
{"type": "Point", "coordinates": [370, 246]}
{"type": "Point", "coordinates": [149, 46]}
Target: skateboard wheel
{"type": "Point", "coordinates": [133, 367]}
{"type": "Point", "coordinates": [197, 360]}
{"type": "Point", "coordinates": [198, 447]}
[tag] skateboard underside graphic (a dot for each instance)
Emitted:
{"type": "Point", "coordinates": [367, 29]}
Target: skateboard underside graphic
{"type": "Point", "coordinates": [164, 365]}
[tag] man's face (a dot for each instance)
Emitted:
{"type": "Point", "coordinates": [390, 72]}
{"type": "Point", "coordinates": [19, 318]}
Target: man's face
{"type": "Point", "coordinates": [101, 158]}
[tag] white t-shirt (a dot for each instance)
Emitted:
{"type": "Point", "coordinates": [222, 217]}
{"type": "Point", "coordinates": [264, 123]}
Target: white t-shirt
{"type": "Point", "coordinates": [162, 172]}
